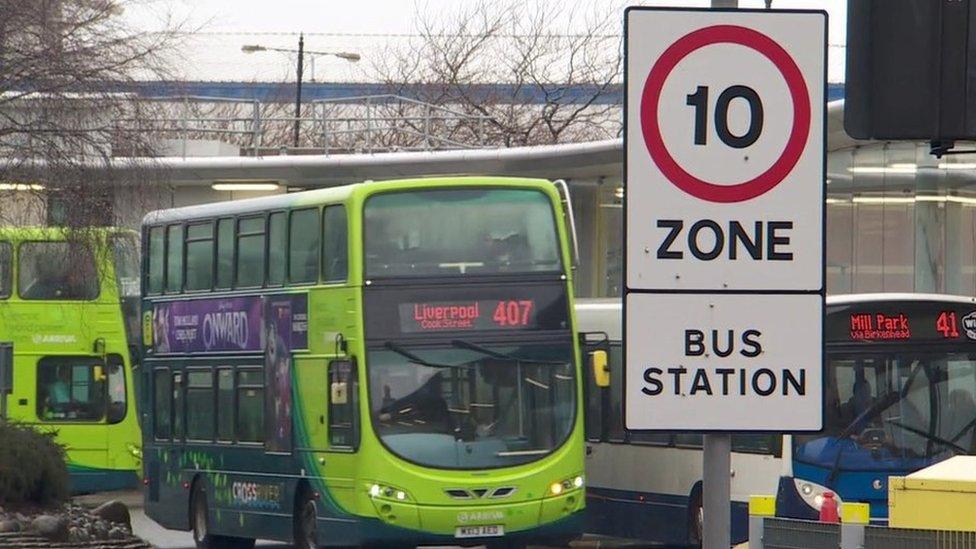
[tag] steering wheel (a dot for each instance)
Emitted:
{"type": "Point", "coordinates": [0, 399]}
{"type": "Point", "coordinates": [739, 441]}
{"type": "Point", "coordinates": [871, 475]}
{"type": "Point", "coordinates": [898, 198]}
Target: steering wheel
{"type": "Point", "coordinates": [872, 438]}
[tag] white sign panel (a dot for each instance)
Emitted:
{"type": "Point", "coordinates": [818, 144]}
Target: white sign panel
{"type": "Point", "coordinates": [724, 362]}
{"type": "Point", "coordinates": [725, 149]}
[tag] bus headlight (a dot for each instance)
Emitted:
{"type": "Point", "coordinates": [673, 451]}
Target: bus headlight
{"type": "Point", "coordinates": [562, 486]}
{"type": "Point", "coordinates": [135, 450]}
{"type": "Point", "coordinates": [383, 491]}
{"type": "Point", "coordinates": [812, 493]}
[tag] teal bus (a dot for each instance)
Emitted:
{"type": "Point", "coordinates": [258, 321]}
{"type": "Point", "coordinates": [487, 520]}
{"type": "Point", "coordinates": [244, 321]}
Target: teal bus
{"type": "Point", "coordinates": [381, 363]}
{"type": "Point", "coordinates": [69, 328]}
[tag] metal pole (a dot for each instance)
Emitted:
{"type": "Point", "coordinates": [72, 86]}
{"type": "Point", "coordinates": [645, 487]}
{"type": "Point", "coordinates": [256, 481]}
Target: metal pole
{"type": "Point", "coordinates": [717, 466]}
{"type": "Point", "coordinates": [717, 494]}
{"type": "Point", "coordinates": [298, 88]}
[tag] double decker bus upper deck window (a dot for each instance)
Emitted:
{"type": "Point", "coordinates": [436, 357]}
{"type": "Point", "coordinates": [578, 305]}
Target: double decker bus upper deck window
{"type": "Point", "coordinates": [460, 232]}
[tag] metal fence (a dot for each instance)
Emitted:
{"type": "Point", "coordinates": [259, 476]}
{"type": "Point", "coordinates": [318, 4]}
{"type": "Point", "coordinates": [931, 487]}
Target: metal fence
{"type": "Point", "coordinates": [778, 533]}
{"type": "Point", "coordinates": [796, 534]}
{"type": "Point", "coordinates": [381, 123]}
{"type": "Point", "coordinates": [876, 537]}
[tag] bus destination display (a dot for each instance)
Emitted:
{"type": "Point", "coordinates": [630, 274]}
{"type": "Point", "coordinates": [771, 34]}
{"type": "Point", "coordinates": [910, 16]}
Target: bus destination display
{"type": "Point", "coordinates": [907, 322]}
{"type": "Point", "coordinates": [482, 314]}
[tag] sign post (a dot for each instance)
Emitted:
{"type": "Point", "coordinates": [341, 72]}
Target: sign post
{"type": "Point", "coordinates": [724, 206]}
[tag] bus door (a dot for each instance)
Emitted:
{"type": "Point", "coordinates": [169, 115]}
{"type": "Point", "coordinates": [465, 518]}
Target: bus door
{"type": "Point", "coordinates": [6, 376]}
{"type": "Point", "coordinates": [72, 398]}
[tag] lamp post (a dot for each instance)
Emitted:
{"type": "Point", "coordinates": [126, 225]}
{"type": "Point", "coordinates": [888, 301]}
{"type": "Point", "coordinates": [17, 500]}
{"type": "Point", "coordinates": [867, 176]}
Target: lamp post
{"type": "Point", "coordinates": [348, 56]}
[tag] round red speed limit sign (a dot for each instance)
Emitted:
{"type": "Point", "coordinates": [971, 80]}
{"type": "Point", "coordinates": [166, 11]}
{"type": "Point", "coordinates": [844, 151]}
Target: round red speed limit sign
{"type": "Point", "coordinates": [797, 136]}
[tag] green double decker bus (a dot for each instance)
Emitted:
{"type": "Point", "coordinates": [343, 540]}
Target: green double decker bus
{"type": "Point", "coordinates": [386, 363]}
{"type": "Point", "coordinates": [69, 327]}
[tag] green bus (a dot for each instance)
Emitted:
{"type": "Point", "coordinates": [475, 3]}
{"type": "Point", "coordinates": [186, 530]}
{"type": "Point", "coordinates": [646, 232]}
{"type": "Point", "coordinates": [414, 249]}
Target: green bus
{"type": "Point", "coordinates": [69, 327]}
{"type": "Point", "coordinates": [381, 363]}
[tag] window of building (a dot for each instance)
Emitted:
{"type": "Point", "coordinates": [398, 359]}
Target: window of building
{"type": "Point", "coordinates": [178, 406]}
{"type": "Point", "coordinates": [70, 389]}
{"type": "Point", "coordinates": [343, 391]}
{"type": "Point", "coordinates": [157, 256]}
{"type": "Point", "coordinates": [250, 405]}
{"type": "Point", "coordinates": [6, 268]}
{"type": "Point", "coordinates": [199, 256]}
{"type": "Point", "coordinates": [277, 248]}
{"type": "Point", "coordinates": [225, 404]}
{"type": "Point", "coordinates": [756, 444]}
{"type": "Point", "coordinates": [174, 258]}
{"type": "Point", "coordinates": [334, 244]}
{"type": "Point", "coordinates": [688, 440]}
{"type": "Point", "coordinates": [303, 246]}
{"type": "Point", "coordinates": [199, 405]}
{"type": "Point", "coordinates": [250, 252]}
{"type": "Point", "coordinates": [57, 270]}
{"type": "Point", "coordinates": [162, 405]}
{"type": "Point", "coordinates": [225, 253]}
{"type": "Point", "coordinates": [653, 439]}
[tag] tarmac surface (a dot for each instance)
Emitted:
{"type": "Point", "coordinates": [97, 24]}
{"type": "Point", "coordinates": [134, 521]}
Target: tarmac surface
{"type": "Point", "coordinates": [159, 537]}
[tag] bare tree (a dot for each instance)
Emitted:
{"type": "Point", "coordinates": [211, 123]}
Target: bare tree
{"type": "Point", "coordinates": [68, 106]}
{"type": "Point", "coordinates": [521, 77]}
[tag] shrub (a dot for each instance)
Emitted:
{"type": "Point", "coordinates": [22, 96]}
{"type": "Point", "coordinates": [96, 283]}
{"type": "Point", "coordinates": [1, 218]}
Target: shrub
{"type": "Point", "coordinates": [32, 466]}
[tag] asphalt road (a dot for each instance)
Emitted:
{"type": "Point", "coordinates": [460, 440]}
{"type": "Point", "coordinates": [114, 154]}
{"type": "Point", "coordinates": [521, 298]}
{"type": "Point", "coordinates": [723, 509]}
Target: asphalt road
{"type": "Point", "coordinates": [162, 538]}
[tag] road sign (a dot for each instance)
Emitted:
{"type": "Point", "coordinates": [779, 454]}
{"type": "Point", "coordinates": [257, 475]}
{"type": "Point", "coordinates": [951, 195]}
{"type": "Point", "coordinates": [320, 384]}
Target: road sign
{"type": "Point", "coordinates": [724, 362]}
{"type": "Point", "coordinates": [725, 154]}
{"type": "Point", "coordinates": [725, 150]}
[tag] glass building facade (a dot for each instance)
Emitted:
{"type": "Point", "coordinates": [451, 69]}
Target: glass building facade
{"type": "Point", "coordinates": [898, 220]}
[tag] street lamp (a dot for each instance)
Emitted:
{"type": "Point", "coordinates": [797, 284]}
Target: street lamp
{"type": "Point", "coordinates": [348, 56]}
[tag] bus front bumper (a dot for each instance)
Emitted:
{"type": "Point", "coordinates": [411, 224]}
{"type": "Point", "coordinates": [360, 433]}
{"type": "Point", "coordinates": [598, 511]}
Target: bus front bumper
{"type": "Point", "coordinates": [554, 519]}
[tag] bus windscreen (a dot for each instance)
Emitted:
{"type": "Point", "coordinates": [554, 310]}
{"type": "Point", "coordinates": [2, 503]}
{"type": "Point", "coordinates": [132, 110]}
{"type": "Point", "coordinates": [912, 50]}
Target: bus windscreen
{"type": "Point", "coordinates": [455, 232]}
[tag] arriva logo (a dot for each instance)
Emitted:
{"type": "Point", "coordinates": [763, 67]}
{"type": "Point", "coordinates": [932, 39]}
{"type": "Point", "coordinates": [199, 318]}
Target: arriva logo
{"type": "Point", "coordinates": [479, 516]}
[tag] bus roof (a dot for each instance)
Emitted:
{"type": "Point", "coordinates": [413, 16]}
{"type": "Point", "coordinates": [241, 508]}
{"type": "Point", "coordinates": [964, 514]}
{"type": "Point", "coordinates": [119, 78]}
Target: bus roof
{"type": "Point", "coordinates": [604, 314]}
{"type": "Point", "coordinates": [897, 296]}
{"type": "Point", "coordinates": [600, 315]}
{"type": "Point", "coordinates": [318, 196]}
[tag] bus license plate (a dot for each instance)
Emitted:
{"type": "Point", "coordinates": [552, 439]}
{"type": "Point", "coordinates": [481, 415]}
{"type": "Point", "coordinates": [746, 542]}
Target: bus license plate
{"type": "Point", "coordinates": [479, 531]}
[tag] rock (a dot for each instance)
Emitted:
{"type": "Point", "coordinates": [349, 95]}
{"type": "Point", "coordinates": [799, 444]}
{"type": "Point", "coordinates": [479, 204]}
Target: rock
{"type": "Point", "coordinates": [99, 530]}
{"type": "Point", "coordinates": [114, 511]}
{"type": "Point", "coordinates": [9, 526]}
{"type": "Point", "coordinates": [52, 527]}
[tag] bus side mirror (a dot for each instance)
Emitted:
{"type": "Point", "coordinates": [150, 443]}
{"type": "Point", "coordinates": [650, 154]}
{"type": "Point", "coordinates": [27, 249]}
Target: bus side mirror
{"type": "Point", "coordinates": [601, 372]}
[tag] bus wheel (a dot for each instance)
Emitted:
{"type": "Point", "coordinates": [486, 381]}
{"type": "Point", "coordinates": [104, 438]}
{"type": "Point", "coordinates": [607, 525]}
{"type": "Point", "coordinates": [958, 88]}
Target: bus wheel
{"type": "Point", "coordinates": [200, 524]}
{"type": "Point", "coordinates": [696, 521]}
{"type": "Point", "coordinates": [304, 519]}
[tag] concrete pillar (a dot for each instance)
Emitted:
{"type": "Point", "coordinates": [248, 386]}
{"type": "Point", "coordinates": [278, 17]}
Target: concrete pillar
{"type": "Point", "coordinates": [760, 507]}
{"type": "Point", "coordinates": [929, 229]}
{"type": "Point", "coordinates": [854, 518]}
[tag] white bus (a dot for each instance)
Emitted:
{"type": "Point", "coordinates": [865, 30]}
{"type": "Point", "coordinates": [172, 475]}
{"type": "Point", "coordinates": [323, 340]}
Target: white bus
{"type": "Point", "coordinates": [900, 395]}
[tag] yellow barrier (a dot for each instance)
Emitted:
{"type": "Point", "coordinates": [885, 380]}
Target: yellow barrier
{"type": "Point", "coordinates": [762, 506]}
{"type": "Point", "coordinates": [855, 513]}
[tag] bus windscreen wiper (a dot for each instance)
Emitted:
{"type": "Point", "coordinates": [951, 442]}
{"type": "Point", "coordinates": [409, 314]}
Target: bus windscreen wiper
{"type": "Point", "coordinates": [501, 356]}
{"type": "Point", "coordinates": [929, 436]}
{"type": "Point", "coordinates": [416, 359]}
